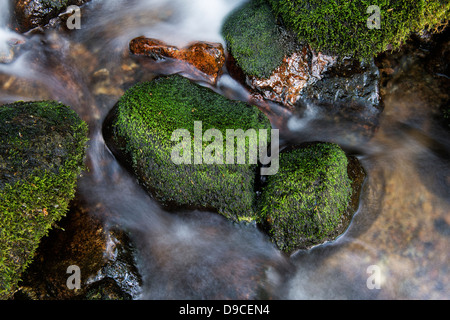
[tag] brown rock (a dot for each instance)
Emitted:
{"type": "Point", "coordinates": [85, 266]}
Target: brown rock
{"type": "Point", "coordinates": [208, 58]}
{"type": "Point", "coordinates": [296, 71]}
{"type": "Point", "coordinates": [35, 13]}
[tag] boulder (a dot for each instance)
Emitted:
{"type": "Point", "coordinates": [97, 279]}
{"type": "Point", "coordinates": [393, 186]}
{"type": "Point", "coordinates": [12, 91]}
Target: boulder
{"type": "Point", "coordinates": [209, 58]}
{"type": "Point", "coordinates": [30, 14]}
{"type": "Point", "coordinates": [140, 130]}
{"type": "Point", "coordinates": [42, 148]}
{"type": "Point", "coordinates": [254, 39]}
{"type": "Point", "coordinates": [297, 72]}
{"type": "Point", "coordinates": [349, 82]}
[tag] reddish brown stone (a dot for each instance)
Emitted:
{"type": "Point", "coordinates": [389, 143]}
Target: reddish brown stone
{"type": "Point", "coordinates": [208, 58]}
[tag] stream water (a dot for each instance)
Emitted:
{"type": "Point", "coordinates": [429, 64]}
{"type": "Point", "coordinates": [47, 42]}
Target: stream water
{"type": "Point", "coordinates": [402, 226]}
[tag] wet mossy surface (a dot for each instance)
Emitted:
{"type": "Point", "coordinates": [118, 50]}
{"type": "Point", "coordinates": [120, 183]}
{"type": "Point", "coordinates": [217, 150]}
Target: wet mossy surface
{"type": "Point", "coordinates": [255, 40]}
{"type": "Point", "coordinates": [139, 131]}
{"type": "Point", "coordinates": [312, 198]}
{"type": "Point", "coordinates": [42, 149]}
{"type": "Point", "coordinates": [341, 27]}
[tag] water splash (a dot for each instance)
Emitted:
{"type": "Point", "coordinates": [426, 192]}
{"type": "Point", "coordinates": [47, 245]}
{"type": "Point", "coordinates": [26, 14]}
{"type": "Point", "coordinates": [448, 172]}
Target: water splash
{"type": "Point", "coordinates": [6, 35]}
{"type": "Point", "coordinates": [193, 255]}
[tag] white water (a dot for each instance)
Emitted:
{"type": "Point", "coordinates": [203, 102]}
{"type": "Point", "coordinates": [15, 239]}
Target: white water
{"type": "Point", "coordinates": [180, 255]}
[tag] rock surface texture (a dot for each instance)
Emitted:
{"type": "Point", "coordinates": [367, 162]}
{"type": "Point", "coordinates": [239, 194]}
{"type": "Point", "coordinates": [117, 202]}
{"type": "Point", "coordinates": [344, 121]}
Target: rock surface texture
{"type": "Point", "coordinates": [42, 148]}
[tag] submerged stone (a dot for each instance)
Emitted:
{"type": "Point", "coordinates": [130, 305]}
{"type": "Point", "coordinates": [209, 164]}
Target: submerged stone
{"type": "Point", "coordinates": [312, 198]}
{"type": "Point", "coordinates": [141, 128]}
{"type": "Point", "coordinates": [42, 148]}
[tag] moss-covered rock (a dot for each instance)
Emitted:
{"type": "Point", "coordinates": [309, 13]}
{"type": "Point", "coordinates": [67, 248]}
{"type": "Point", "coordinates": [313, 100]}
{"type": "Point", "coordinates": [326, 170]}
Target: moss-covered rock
{"type": "Point", "coordinates": [140, 128]}
{"type": "Point", "coordinates": [42, 148]}
{"type": "Point", "coordinates": [307, 202]}
{"type": "Point", "coordinates": [254, 39]}
{"type": "Point", "coordinates": [341, 27]}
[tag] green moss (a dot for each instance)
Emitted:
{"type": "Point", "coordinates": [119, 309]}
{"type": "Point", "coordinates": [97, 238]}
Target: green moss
{"type": "Point", "coordinates": [254, 39]}
{"type": "Point", "coordinates": [305, 202]}
{"type": "Point", "coordinates": [144, 120]}
{"type": "Point", "coordinates": [42, 147]}
{"type": "Point", "coordinates": [340, 27]}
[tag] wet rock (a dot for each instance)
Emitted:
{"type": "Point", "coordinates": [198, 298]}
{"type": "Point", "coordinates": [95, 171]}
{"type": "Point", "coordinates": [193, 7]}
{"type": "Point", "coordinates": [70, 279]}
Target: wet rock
{"type": "Point", "coordinates": [348, 82]}
{"type": "Point", "coordinates": [419, 79]}
{"type": "Point", "coordinates": [254, 39]}
{"type": "Point", "coordinates": [208, 58]}
{"type": "Point", "coordinates": [106, 289]}
{"type": "Point", "coordinates": [30, 14]}
{"type": "Point", "coordinates": [278, 67]}
{"type": "Point", "coordinates": [42, 149]}
{"type": "Point", "coordinates": [9, 52]}
{"type": "Point", "coordinates": [425, 57]}
{"type": "Point", "coordinates": [298, 71]}
{"type": "Point", "coordinates": [105, 257]}
{"type": "Point", "coordinates": [145, 143]}
{"type": "Point", "coordinates": [441, 226]}
{"type": "Point", "coordinates": [438, 64]}
{"type": "Point", "coordinates": [313, 197]}
{"type": "Point", "coordinates": [313, 76]}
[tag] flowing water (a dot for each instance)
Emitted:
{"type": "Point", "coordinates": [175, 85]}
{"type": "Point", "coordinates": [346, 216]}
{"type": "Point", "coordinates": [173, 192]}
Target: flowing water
{"type": "Point", "coordinates": [402, 226]}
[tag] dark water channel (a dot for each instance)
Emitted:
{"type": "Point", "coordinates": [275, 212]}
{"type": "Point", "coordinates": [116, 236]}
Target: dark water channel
{"type": "Point", "coordinates": [402, 225]}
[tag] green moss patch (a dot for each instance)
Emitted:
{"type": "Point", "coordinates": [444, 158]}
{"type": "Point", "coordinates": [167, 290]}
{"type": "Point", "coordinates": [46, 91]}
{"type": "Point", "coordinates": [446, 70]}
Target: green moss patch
{"type": "Point", "coordinates": [140, 130]}
{"type": "Point", "coordinates": [254, 39]}
{"type": "Point", "coordinates": [306, 202]}
{"type": "Point", "coordinates": [340, 27]}
{"type": "Point", "coordinates": [42, 148]}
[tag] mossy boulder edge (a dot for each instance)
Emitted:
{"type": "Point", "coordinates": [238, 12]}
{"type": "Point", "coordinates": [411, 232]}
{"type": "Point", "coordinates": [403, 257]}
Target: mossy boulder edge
{"type": "Point", "coordinates": [139, 130]}
{"type": "Point", "coordinates": [312, 198]}
{"type": "Point", "coordinates": [342, 27]}
{"type": "Point", "coordinates": [42, 150]}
